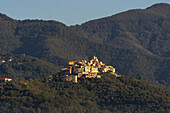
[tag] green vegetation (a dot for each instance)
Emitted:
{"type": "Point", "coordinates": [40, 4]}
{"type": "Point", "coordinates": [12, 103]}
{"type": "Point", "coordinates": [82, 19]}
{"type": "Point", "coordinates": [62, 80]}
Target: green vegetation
{"type": "Point", "coordinates": [109, 94]}
{"type": "Point", "coordinates": [25, 66]}
{"type": "Point", "coordinates": [136, 42]}
{"type": "Point", "coordinates": [142, 29]}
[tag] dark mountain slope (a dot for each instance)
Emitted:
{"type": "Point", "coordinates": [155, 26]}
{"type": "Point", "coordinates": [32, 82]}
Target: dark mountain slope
{"type": "Point", "coordinates": [61, 44]}
{"type": "Point", "coordinates": [109, 94]}
{"type": "Point", "coordinates": [161, 8]}
{"type": "Point", "coordinates": [50, 41]}
{"type": "Point", "coordinates": [147, 30]}
{"type": "Point", "coordinates": [25, 66]}
{"type": "Point", "coordinates": [129, 41]}
{"type": "Point", "coordinates": [8, 40]}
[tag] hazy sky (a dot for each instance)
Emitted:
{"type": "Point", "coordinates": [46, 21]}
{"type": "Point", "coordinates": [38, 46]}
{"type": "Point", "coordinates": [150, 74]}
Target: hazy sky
{"type": "Point", "coordinates": [70, 12]}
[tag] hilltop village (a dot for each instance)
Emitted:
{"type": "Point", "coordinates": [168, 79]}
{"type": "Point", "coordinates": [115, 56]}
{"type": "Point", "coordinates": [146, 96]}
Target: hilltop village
{"type": "Point", "coordinates": [76, 69]}
{"type": "Point", "coordinates": [91, 69]}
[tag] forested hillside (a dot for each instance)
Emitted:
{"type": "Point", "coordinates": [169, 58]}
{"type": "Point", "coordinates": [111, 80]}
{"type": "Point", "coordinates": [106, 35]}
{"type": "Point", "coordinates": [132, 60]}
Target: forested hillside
{"type": "Point", "coordinates": [109, 94]}
{"type": "Point", "coordinates": [136, 42]}
{"type": "Point", "coordinates": [143, 29]}
{"type": "Point", "coordinates": [24, 66]}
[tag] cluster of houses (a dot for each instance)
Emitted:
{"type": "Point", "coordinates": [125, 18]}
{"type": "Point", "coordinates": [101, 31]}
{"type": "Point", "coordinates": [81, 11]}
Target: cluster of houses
{"type": "Point", "coordinates": [3, 61]}
{"type": "Point", "coordinates": [9, 59]}
{"type": "Point", "coordinates": [86, 69]}
{"type": "Point", "coordinates": [5, 79]}
{"type": "Point", "coordinates": [77, 69]}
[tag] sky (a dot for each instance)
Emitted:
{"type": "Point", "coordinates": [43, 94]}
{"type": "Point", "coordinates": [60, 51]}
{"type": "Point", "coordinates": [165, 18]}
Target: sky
{"type": "Point", "coordinates": [70, 12]}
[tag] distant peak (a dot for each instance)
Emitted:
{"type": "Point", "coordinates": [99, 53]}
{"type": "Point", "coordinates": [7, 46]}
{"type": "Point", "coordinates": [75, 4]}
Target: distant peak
{"type": "Point", "coordinates": [159, 5]}
{"type": "Point", "coordinates": [161, 8]}
{"type": "Point", "coordinates": [5, 17]}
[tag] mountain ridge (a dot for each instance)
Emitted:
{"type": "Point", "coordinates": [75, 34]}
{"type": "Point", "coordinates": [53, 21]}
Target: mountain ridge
{"type": "Point", "coordinates": [142, 20]}
{"type": "Point", "coordinates": [128, 40]}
